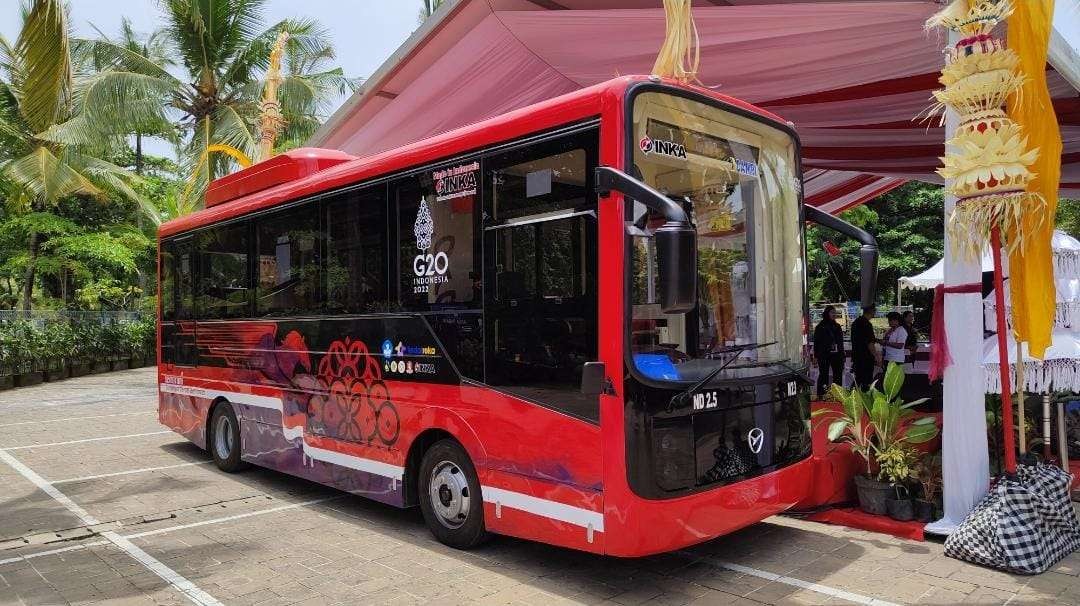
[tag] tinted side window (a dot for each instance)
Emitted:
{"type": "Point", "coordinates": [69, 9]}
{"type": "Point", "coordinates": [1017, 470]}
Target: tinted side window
{"type": "Point", "coordinates": [356, 265]}
{"type": "Point", "coordinates": [437, 246]}
{"type": "Point", "coordinates": [540, 261]}
{"type": "Point", "coordinates": [288, 262]}
{"type": "Point", "coordinates": [167, 295]}
{"type": "Point", "coordinates": [185, 281]}
{"type": "Point", "coordinates": [223, 289]}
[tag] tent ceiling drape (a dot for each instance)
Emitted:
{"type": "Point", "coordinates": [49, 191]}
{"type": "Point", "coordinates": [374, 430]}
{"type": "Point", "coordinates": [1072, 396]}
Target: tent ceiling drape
{"type": "Point", "coordinates": [850, 75]}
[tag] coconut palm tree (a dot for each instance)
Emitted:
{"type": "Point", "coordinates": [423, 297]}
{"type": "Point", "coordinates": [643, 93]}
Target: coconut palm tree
{"type": "Point", "coordinates": [428, 8]}
{"type": "Point", "coordinates": [154, 47]}
{"type": "Point", "coordinates": [37, 93]}
{"type": "Point", "coordinates": [223, 50]}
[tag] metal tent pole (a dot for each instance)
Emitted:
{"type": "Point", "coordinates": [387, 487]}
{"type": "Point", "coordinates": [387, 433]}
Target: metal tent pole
{"type": "Point", "coordinates": [1047, 450]}
{"type": "Point", "coordinates": [1020, 420]}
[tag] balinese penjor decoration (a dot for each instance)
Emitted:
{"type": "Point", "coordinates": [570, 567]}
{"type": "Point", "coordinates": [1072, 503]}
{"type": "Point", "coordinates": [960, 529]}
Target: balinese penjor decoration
{"type": "Point", "coordinates": [987, 160]}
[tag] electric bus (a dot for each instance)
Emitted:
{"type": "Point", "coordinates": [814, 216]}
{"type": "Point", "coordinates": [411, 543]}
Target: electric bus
{"type": "Point", "coordinates": [582, 322]}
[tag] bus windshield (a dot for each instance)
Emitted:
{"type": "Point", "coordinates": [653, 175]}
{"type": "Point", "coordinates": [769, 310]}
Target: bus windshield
{"type": "Point", "coordinates": [738, 179]}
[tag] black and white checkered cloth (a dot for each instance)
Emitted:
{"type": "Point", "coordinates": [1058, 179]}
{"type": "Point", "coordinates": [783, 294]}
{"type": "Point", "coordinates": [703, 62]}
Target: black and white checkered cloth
{"type": "Point", "coordinates": [1024, 526]}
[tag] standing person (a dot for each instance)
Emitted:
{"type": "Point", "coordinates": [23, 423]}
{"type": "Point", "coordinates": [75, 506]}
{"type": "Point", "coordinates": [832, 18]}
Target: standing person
{"type": "Point", "coordinates": [912, 343]}
{"type": "Point", "coordinates": [862, 348]}
{"type": "Point", "coordinates": [895, 342]}
{"type": "Point", "coordinates": [829, 351]}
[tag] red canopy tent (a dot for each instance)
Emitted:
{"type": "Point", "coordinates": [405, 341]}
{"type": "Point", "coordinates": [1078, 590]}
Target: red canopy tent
{"type": "Point", "coordinates": [850, 75]}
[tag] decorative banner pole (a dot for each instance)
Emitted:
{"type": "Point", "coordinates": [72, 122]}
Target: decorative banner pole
{"type": "Point", "coordinates": [988, 160]}
{"type": "Point", "coordinates": [271, 121]}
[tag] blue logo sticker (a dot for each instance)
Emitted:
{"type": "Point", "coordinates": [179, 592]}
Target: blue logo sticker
{"type": "Point", "coordinates": [387, 349]}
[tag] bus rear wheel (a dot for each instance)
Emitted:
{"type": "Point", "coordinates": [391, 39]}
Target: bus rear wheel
{"type": "Point", "coordinates": [224, 439]}
{"type": "Point", "coordinates": [450, 499]}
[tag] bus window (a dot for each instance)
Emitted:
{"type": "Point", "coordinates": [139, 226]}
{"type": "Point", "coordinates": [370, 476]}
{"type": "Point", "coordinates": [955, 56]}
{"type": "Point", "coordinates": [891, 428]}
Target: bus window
{"type": "Point", "coordinates": [356, 252]}
{"type": "Point", "coordinates": [436, 230]}
{"type": "Point", "coordinates": [223, 272]}
{"type": "Point", "coordinates": [288, 263]}
{"type": "Point", "coordinates": [540, 263]}
{"type": "Point", "coordinates": [168, 282]}
{"type": "Point", "coordinates": [185, 281]}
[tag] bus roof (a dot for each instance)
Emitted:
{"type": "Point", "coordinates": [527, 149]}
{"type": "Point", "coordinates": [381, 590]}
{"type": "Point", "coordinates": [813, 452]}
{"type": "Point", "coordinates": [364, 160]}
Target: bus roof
{"type": "Point", "coordinates": [264, 189]}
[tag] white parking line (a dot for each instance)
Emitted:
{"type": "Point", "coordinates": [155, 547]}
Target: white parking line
{"type": "Point", "coordinates": [119, 414]}
{"type": "Point", "coordinates": [128, 472]}
{"type": "Point", "coordinates": [169, 529]}
{"type": "Point", "coordinates": [786, 580]}
{"type": "Point", "coordinates": [170, 576]}
{"type": "Point", "coordinates": [238, 516]}
{"type": "Point", "coordinates": [130, 435]}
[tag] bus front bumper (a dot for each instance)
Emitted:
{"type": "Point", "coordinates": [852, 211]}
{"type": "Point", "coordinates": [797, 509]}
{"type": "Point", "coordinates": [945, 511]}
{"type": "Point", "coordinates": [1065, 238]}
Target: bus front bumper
{"type": "Point", "coordinates": [646, 526]}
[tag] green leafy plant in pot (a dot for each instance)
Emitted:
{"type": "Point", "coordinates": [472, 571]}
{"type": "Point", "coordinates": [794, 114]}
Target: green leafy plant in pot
{"type": "Point", "coordinates": [874, 422]}
{"type": "Point", "coordinates": [897, 465]}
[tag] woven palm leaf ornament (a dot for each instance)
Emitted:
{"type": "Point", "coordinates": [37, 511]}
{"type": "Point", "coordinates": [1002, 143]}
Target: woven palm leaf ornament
{"type": "Point", "coordinates": [989, 160]}
{"type": "Point", "coordinates": [680, 55]}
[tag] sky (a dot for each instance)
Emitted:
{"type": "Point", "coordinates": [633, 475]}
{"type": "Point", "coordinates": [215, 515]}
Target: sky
{"type": "Point", "coordinates": [364, 32]}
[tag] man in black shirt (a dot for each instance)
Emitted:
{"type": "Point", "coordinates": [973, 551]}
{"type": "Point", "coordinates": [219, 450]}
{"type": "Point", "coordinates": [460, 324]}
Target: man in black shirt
{"type": "Point", "coordinates": [862, 348]}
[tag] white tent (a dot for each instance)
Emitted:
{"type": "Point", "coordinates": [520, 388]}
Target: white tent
{"type": "Point", "coordinates": [936, 275]}
{"type": "Point", "coordinates": [1059, 370]}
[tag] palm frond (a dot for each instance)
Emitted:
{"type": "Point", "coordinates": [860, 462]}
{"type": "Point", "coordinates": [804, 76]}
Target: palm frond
{"type": "Point", "coordinates": [46, 177]}
{"type": "Point", "coordinates": [115, 178]}
{"type": "Point", "coordinates": [43, 51]}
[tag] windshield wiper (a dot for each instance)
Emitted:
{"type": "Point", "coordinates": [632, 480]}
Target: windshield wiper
{"type": "Point", "coordinates": [736, 350]}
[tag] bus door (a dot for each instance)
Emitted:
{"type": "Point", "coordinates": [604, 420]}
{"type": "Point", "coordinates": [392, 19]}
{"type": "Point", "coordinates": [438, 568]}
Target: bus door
{"type": "Point", "coordinates": [540, 263]}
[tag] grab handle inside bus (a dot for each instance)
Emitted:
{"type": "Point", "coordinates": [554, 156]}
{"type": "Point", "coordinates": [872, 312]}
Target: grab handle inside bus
{"type": "Point", "coordinates": [675, 240]}
{"type": "Point", "coordinates": [868, 252]}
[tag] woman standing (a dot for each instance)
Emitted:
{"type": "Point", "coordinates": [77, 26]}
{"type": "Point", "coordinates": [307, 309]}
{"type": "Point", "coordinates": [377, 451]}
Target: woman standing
{"type": "Point", "coordinates": [829, 351]}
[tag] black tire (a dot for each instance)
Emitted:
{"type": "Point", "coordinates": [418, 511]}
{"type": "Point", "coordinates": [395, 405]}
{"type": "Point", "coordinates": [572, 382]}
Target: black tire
{"type": "Point", "coordinates": [223, 439]}
{"type": "Point", "coordinates": [447, 476]}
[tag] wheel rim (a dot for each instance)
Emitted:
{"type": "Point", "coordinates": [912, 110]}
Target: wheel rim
{"type": "Point", "coordinates": [223, 437]}
{"type": "Point", "coordinates": [449, 494]}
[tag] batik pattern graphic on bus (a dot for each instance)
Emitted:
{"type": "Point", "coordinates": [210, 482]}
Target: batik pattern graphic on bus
{"type": "Point", "coordinates": [333, 417]}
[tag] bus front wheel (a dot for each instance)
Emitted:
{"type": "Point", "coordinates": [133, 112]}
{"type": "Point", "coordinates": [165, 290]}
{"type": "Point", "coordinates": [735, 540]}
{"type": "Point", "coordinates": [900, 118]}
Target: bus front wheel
{"type": "Point", "coordinates": [225, 438]}
{"type": "Point", "coordinates": [450, 498]}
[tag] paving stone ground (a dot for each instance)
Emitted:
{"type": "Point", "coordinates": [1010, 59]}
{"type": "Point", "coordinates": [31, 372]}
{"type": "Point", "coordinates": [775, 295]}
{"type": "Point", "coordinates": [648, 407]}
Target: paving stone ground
{"type": "Point", "coordinates": [265, 538]}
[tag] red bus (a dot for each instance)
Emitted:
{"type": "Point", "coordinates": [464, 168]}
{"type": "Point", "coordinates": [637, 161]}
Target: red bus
{"type": "Point", "coordinates": [582, 322]}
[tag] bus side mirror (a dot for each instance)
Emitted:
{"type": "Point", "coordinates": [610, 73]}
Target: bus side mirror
{"type": "Point", "coordinates": [593, 378]}
{"type": "Point", "coordinates": [676, 260]}
{"type": "Point", "coordinates": [675, 240]}
{"type": "Point", "coordinates": [868, 252]}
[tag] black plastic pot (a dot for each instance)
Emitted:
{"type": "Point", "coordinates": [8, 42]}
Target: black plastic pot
{"type": "Point", "coordinates": [899, 504]}
{"type": "Point", "coordinates": [78, 369]}
{"type": "Point", "coordinates": [924, 510]}
{"type": "Point", "coordinates": [29, 378]}
{"type": "Point", "coordinates": [873, 495]}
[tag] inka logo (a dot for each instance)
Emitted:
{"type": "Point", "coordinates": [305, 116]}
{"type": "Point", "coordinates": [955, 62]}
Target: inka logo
{"type": "Point", "coordinates": [424, 227]}
{"type": "Point", "coordinates": [664, 148]}
{"type": "Point", "coordinates": [455, 182]}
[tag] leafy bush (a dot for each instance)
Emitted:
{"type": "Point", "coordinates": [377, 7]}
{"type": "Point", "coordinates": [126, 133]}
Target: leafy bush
{"type": "Point", "coordinates": [26, 345]}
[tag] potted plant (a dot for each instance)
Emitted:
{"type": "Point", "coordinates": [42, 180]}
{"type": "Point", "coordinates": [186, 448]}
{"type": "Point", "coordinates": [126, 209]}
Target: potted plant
{"type": "Point", "coordinates": [873, 422]}
{"type": "Point", "coordinates": [897, 464]}
{"type": "Point", "coordinates": [928, 472]}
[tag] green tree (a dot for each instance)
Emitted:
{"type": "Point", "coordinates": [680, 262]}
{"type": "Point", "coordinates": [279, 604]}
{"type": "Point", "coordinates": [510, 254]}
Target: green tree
{"type": "Point", "coordinates": [38, 92]}
{"type": "Point", "coordinates": [1068, 217]}
{"type": "Point", "coordinates": [908, 223]}
{"type": "Point", "coordinates": [224, 50]}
